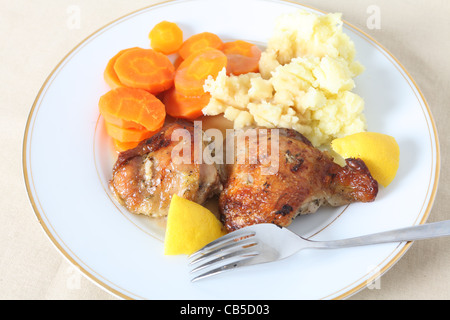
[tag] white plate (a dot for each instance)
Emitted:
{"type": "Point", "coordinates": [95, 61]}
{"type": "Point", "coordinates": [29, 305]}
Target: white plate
{"type": "Point", "coordinates": [67, 162]}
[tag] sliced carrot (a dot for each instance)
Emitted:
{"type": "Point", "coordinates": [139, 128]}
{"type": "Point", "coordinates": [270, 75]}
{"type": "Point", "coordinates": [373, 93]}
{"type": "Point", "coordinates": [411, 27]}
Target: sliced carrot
{"type": "Point", "coordinates": [198, 42]}
{"type": "Point", "coordinates": [145, 69]}
{"type": "Point", "coordinates": [177, 62]}
{"type": "Point", "coordinates": [166, 37]}
{"type": "Point", "coordinates": [136, 105]}
{"type": "Point", "coordinates": [109, 74]}
{"type": "Point", "coordinates": [122, 123]}
{"type": "Point", "coordinates": [123, 146]}
{"type": "Point", "coordinates": [192, 72]}
{"type": "Point", "coordinates": [127, 135]}
{"type": "Point", "coordinates": [243, 57]}
{"type": "Point", "coordinates": [181, 106]}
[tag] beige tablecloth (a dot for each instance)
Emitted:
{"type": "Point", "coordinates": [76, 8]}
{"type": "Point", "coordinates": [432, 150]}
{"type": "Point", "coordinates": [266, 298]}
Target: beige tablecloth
{"type": "Point", "coordinates": [37, 34]}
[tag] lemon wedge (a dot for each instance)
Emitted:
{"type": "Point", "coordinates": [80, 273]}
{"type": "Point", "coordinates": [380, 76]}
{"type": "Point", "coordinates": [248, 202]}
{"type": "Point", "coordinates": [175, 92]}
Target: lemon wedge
{"type": "Point", "coordinates": [190, 227]}
{"type": "Point", "coordinates": [380, 153]}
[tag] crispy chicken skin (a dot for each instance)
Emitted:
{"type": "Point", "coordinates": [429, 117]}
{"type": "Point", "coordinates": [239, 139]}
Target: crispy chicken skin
{"type": "Point", "coordinates": [145, 178]}
{"type": "Point", "coordinates": [306, 179]}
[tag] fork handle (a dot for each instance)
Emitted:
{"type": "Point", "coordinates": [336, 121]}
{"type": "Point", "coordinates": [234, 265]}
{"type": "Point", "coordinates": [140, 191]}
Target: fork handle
{"type": "Point", "coordinates": [420, 232]}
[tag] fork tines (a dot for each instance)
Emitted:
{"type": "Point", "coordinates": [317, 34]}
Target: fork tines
{"type": "Point", "coordinates": [226, 253]}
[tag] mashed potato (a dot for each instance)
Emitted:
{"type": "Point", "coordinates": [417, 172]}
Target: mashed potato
{"type": "Point", "coordinates": [305, 82]}
{"type": "Point", "coordinates": [303, 34]}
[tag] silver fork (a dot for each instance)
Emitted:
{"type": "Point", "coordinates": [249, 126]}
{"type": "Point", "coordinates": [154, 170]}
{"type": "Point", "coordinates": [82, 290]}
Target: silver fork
{"type": "Point", "coordinates": [267, 242]}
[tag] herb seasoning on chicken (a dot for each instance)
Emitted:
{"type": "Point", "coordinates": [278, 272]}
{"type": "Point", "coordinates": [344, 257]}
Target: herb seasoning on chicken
{"type": "Point", "coordinates": [145, 178]}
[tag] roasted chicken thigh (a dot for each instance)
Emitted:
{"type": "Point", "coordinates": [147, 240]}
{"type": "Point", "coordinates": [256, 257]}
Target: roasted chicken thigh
{"type": "Point", "coordinates": [305, 178]}
{"type": "Point", "coordinates": [145, 178]}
